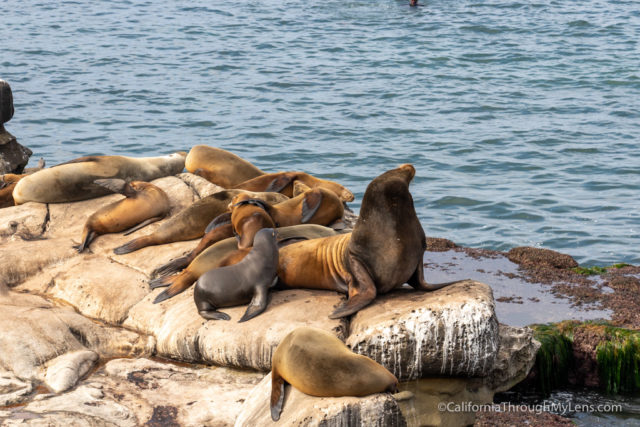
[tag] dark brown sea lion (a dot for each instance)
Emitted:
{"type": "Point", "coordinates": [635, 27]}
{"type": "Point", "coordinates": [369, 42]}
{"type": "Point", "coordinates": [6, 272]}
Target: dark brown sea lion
{"type": "Point", "coordinates": [283, 182]}
{"type": "Point", "coordinates": [144, 203]}
{"type": "Point", "coordinates": [74, 180]}
{"type": "Point", "coordinates": [191, 222]}
{"type": "Point", "coordinates": [220, 166]}
{"type": "Point", "coordinates": [226, 252]}
{"type": "Point", "coordinates": [319, 364]}
{"type": "Point", "coordinates": [8, 183]}
{"type": "Point", "coordinates": [384, 251]}
{"type": "Point", "coordinates": [248, 280]}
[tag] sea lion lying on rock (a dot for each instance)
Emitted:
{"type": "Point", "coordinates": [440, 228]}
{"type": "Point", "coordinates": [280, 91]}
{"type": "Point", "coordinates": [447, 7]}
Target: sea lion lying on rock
{"type": "Point", "coordinates": [226, 252]}
{"type": "Point", "coordinates": [8, 183]}
{"type": "Point", "coordinates": [249, 279]}
{"type": "Point", "coordinates": [191, 222]}
{"type": "Point", "coordinates": [319, 364]}
{"type": "Point", "coordinates": [75, 180]}
{"type": "Point", "coordinates": [283, 182]}
{"type": "Point", "coordinates": [384, 251]}
{"type": "Point", "coordinates": [220, 166]}
{"type": "Point", "coordinates": [144, 204]}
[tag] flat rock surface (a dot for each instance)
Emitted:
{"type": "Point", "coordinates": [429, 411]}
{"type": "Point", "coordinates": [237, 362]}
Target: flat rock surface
{"type": "Point", "coordinates": [183, 335]}
{"type": "Point", "coordinates": [132, 392]}
{"type": "Point", "coordinates": [24, 220]}
{"type": "Point", "coordinates": [451, 331]}
{"type": "Point", "coordinates": [299, 409]}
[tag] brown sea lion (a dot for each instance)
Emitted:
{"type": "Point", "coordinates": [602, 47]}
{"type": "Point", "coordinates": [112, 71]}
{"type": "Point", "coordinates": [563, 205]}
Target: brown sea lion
{"type": "Point", "coordinates": [74, 180]}
{"type": "Point", "coordinates": [191, 222]}
{"type": "Point", "coordinates": [8, 183]}
{"type": "Point", "coordinates": [220, 166]}
{"type": "Point", "coordinates": [144, 204]}
{"type": "Point", "coordinates": [226, 252]}
{"type": "Point", "coordinates": [319, 364]}
{"type": "Point", "coordinates": [384, 251]}
{"type": "Point", "coordinates": [247, 280]}
{"type": "Point", "coordinates": [283, 182]}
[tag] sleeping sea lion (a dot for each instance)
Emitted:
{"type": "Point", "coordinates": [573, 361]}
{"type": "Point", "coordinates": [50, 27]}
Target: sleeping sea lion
{"type": "Point", "coordinates": [220, 166]}
{"type": "Point", "coordinates": [191, 222]}
{"type": "Point", "coordinates": [226, 252]}
{"type": "Point", "coordinates": [74, 180]}
{"type": "Point", "coordinates": [319, 364]}
{"type": "Point", "coordinates": [384, 251]}
{"type": "Point", "coordinates": [248, 280]}
{"type": "Point", "coordinates": [144, 204]}
{"type": "Point", "coordinates": [283, 182]}
{"type": "Point", "coordinates": [8, 183]}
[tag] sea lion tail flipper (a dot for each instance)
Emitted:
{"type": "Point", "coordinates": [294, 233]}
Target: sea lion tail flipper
{"type": "Point", "coordinates": [219, 221]}
{"type": "Point", "coordinates": [277, 395]}
{"type": "Point", "coordinates": [257, 305]}
{"type": "Point", "coordinates": [310, 205]}
{"type": "Point", "coordinates": [177, 284]}
{"type": "Point", "coordinates": [416, 281]}
{"type": "Point", "coordinates": [134, 245]}
{"type": "Point", "coordinates": [278, 184]}
{"type": "Point", "coordinates": [338, 225]}
{"type": "Point", "coordinates": [143, 224]}
{"type": "Point", "coordinates": [87, 239]}
{"type": "Point", "coordinates": [214, 315]}
{"type": "Point", "coordinates": [171, 267]}
{"type": "Point", "coordinates": [362, 290]}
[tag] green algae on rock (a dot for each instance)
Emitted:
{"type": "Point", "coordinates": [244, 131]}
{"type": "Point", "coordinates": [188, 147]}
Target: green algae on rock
{"type": "Point", "coordinates": [593, 353]}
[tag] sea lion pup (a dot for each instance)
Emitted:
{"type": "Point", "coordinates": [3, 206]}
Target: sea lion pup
{"type": "Point", "coordinates": [384, 251]}
{"type": "Point", "coordinates": [144, 204]}
{"type": "Point", "coordinates": [8, 183]}
{"type": "Point", "coordinates": [191, 222]}
{"type": "Point", "coordinates": [283, 182]}
{"type": "Point", "coordinates": [226, 252]}
{"type": "Point", "coordinates": [248, 280]}
{"type": "Point", "coordinates": [74, 180]}
{"type": "Point", "coordinates": [220, 166]}
{"type": "Point", "coordinates": [319, 364]}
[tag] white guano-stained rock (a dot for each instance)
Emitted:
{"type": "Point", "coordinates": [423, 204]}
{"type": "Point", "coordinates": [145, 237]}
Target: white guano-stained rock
{"type": "Point", "coordinates": [12, 389]}
{"type": "Point", "coordinates": [451, 331]}
{"type": "Point", "coordinates": [64, 371]}
{"type": "Point", "coordinates": [26, 220]}
{"type": "Point", "coordinates": [299, 409]}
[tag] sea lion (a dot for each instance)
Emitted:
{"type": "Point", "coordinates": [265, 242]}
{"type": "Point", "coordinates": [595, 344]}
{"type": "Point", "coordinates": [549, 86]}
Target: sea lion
{"type": "Point", "coordinates": [283, 182]}
{"type": "Point", "coordinates": [248, 280]}
{"type": "Point", "coordinates": [384, 251]}
{"type": "Point", "coordinates": [220, 166]}
{"type": "Point", "coordinates": [226, 252]}
{"type": "Point", "coordinates": [319, 364]}
{"type": "Point", "coordinates": [191, 222]}
{"type": "Point", "coordinates": [74, 180]}
{"type": "Point", "coordinates": [8, 183]}
{"type": "Point", "coordinates": [144, 204]}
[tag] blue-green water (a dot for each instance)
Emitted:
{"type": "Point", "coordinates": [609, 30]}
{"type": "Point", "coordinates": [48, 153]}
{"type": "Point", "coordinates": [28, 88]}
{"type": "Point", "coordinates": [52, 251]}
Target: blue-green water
{"type": "Point", "coordinates": [522, 118]}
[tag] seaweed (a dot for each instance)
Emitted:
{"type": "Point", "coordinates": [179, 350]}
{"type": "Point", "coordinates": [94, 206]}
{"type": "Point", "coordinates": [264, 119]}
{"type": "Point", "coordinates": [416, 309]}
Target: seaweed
{"type": "Point", "coordinates": [589, 271]}
{"type": "Point", "coordinates": [618, 360]}
{"type": "Point", "coordinates": [555, 356]}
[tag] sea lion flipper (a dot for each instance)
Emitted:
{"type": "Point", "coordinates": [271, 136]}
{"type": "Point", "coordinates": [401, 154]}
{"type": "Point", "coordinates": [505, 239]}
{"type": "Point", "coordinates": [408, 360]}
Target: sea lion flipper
{"type": "Point", "coordinates": [310, 205]}
{"type": "Point", "coordinates": [277, 395]}
{"type": "Point", "coordinates": [171, 267]}
{"type": "Point", "coordinates": [219, 221]}
{"type": "Point", "coordinates": [142, 224]}
{"type": "Point", "coordinates": [279, 183]}
{"type": "Point", "coordinates": [416, 281]}
{"type": "Point", "coordinates": [88, 238]}
{"type": "Point", "coordinates": [116, 185]}
{"type": "Point", "coordinates": [299, 187]}
{"type": "Point", "coordinates": [362, 290]}
{"type": "Point", "coordinates": [257, 305]}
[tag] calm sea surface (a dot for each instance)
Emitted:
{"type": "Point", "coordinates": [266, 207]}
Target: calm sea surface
{"type": "Point", "coordinates": [521, 117]}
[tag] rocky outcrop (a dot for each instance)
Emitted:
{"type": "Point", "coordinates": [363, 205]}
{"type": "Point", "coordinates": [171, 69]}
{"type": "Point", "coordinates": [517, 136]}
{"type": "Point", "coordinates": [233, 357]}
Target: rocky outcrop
{"type": "Point", "coordinates": [301, 409]}
{"type": "Point", "coordinates": [452, 331]}
{"type": "Point", "coordinates": [13, 156]}
{"type": "Point", "coordinates": [529, 256]}
{"type": "Point", "coordinates": [132, 392]}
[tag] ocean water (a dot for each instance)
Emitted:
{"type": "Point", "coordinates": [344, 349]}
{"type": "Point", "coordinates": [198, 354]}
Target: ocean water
{"type": "Point", "coordinates": [521, 117]}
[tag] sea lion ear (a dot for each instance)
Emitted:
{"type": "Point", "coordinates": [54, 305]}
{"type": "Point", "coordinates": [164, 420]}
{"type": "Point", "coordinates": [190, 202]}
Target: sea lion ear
{"type": "Point", "coordinates": [116, 185]}
{"type": "Point", "coordinates": [310, 205]}
{"type": "Point", "coordinates": [279, 183]}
